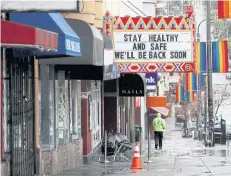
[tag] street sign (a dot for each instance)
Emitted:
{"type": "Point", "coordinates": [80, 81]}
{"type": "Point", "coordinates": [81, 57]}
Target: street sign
{"type": "Point", "coordinates": [151, 79]}
{"type": "Point", "coordinates": [172, 87]}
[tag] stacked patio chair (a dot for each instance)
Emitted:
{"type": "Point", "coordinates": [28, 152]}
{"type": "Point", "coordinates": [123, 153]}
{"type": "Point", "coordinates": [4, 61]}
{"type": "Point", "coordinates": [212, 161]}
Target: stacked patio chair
{"type": "Point", "coordinates": [118, 148]}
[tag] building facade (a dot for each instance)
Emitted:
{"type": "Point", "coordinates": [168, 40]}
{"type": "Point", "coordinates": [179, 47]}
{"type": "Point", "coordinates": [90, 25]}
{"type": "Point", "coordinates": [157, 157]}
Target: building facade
{"type": "Point", "coordinates": [19, 144]}
{"type": "Point", "coordinates": [67, 92]}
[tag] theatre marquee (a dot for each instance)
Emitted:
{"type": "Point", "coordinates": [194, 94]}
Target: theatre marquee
{"type": "Point", "coordinates": [153, 46]}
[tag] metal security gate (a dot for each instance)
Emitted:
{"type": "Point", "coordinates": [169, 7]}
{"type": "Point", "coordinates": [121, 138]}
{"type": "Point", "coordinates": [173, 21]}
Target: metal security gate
{"type": "Point", "coordinates": [21, 108]}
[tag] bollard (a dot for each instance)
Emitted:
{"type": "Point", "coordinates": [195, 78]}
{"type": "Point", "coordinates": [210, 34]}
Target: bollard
{"type": "Point", "coordinates": [105, 148]}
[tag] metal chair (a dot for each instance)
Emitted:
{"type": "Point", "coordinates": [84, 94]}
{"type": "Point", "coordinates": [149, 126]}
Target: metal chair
{"type": "Point", "coordinates": [118, 148]}
{"type": "Point", "coordinates": [111, 147]}
{"type": "Point", "coordinates": [123, 148]}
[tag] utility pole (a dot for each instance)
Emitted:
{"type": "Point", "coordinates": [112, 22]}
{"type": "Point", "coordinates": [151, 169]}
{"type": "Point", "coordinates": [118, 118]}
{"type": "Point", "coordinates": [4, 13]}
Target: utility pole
{"type": "Point", "coordinates": [185, 106]}
{"type": "Point", "coordinates": [198, 103]}
{"type": "Point", "coordinates": [205, 109]}
{"type": "Point", "coordinates": [209, 72]}
{"type": "Point", "coordinates": [198, 92]}
{"type": "Point", "coordinates": [199, 88]}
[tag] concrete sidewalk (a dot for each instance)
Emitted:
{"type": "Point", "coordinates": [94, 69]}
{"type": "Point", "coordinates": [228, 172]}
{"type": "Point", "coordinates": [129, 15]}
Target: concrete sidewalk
{"type": "Point", "coordinates": [179, 157]}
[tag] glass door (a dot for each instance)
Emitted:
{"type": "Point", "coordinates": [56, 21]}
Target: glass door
{"type": "Point", "coordinates": [96, 117]}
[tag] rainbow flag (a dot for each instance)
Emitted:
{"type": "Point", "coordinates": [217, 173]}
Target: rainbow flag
{"type": "Point", "coordinates": [179, 93]}
{"type": "Point", "coordinates": [220, 56]}
{"type": "Point", "coordinates": [224, 9]}
{"type": "Point", "coordinates": [190, 97]}
{"type": "Point", "coordinates": [191, 82]}
{"type": "Point", "coordinates": [200, 57]}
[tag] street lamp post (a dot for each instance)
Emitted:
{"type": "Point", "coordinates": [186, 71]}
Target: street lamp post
{"type": "Point", "coordinates": [209, 72]}
{"type": "Point", "coordinates": [199, 86]}
{"type": "Point", "coordinates": [205, 109]}
{"type": "Point", "coordinates": [205, 75]}
{"type": "Point", "coordinates": [186, 134]}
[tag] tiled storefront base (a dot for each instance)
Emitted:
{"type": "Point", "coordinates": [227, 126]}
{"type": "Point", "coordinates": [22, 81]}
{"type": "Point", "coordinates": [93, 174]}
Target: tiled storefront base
{"type": "Point", "coordinates": [62, 158]}
{"type": "Point", "coordinates": [5, 168]}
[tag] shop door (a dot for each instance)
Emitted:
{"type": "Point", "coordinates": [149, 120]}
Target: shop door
{"type": "Point", "coordinates": [96, 117]}
{"type": "Point", "coordinates": [21, 117]}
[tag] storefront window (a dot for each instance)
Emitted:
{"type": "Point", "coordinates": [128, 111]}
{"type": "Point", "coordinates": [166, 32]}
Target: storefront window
{"type": "Point", "coordinates": [96, 113]}
{"type": "Point", "coordinates": [79, 107]}
{"type": "Point", "coordinates": [61, 107]}
{"type": "Point", "coordinates": [75, 122]}
{"type": "Point", "coordinates": [47, 106]}
{"type": "Point", "coordinates": [6, 126]}
{"type": "Point", "coordinates": [67, 114]}
{"type": "Point", "coordinates": [52, 106]}
{"type": "Point", "coordinates": [90, 112]}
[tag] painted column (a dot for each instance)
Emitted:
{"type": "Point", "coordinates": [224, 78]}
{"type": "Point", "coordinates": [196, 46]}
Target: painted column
{"type": "Point", "coordinates": [37, 120]}
{"type": "Point", "coordinates": [86, 123]}
{"type": "Point", "coordinates": [45, 119]}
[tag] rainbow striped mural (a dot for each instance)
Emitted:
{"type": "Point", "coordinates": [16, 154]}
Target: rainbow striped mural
{"type": "Point", "coordinates": [191, 82]}
{"type": "Point", "coordinates": [190, 97]}
{"type": "Point", "coordinates": [224, 9]}
{"type": "Point", "coordinates": [220, 56]}
{"type": "Point", "coordinates": [200, 57]}
{"type": "Point", "coordinates": [179, 93]}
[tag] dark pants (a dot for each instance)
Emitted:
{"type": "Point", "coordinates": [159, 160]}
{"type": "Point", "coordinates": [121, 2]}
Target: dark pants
{"type": "Point", "coordinates": [158, 138]}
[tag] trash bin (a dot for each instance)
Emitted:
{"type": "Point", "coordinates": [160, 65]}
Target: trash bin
{"type": "Point", "coordinates": [138, 132]}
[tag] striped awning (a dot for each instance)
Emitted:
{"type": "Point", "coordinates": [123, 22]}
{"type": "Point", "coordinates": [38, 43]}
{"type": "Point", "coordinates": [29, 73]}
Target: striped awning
{"type": "Point", "coordinates": [16, 35]}
{"type": "Point", "coordinates": [163, 110]}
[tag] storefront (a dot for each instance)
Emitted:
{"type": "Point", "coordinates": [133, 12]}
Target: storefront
{"type": "Point", "coordinates": [110, 84]}
{"type": "Point", "coordinates": [120, 103]}
{"type": "Point", "coordinates": [91, 70]}
{"type": "Point", "coordinates": [19, 141]}
{"type": "Point", "coordinates": [59, 95]}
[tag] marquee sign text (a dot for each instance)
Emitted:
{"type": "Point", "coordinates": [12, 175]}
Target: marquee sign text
{"type": "Point", "coordinates": [153, 46]}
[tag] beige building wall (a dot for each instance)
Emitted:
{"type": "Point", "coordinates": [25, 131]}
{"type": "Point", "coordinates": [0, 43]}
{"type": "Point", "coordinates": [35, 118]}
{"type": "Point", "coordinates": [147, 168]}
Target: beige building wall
{"type": "Point", "coordinates": [124, 8]}
{"type": "Point", "coordinates": [90, 11]}
{"type": "Point", "coordinates": [99, 14]}
{"type": "Point", "coordinates": [115, 7]}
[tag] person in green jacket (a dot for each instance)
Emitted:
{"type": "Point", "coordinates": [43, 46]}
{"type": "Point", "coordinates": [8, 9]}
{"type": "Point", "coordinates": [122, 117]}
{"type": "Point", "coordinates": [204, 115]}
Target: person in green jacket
{"type": "Point", "coordinates": [159, 126]}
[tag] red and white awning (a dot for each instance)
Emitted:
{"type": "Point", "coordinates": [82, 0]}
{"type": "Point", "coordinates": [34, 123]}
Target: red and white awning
{"type": "Point", "coordinates": [163, 110]}
{"type": "Point", "coordinates": [16, 35]}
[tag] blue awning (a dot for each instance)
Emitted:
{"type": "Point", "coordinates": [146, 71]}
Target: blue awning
{"type": "Point", "coordinates": [68, 41]}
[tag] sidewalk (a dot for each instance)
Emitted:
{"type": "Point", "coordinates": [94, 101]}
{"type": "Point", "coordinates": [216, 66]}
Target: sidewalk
{"type": "Point", "coordinates": [179, 157]}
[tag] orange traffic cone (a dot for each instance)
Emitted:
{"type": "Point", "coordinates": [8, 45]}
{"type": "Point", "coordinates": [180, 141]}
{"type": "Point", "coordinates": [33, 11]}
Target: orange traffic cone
{"type": "Point", "coordinates": [136, 161]}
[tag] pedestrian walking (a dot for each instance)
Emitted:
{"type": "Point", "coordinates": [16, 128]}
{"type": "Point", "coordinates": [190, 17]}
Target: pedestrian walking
{"type": "Point", "coordinates": [158, 126]}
